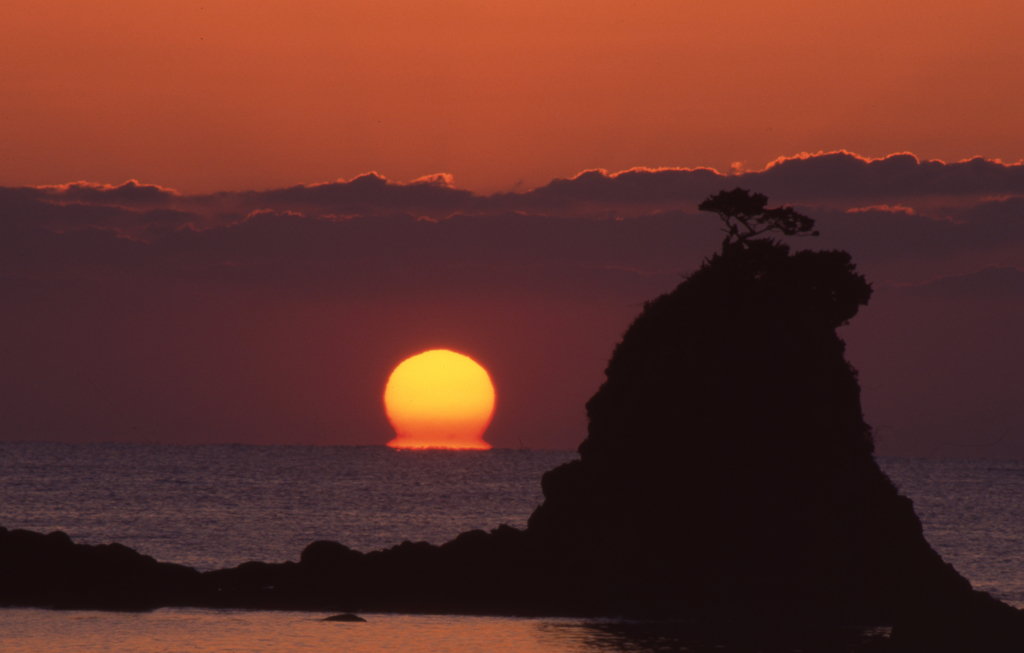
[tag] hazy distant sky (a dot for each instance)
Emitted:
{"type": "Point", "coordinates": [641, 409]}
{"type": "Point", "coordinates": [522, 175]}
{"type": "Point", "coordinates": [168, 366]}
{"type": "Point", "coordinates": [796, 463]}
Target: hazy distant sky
{"type": "Point", "coordinates": [324, 188]}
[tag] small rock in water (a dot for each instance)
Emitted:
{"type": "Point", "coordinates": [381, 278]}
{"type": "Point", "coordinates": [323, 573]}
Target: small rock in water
{"type": "Point", "coordinates": [345, 617]}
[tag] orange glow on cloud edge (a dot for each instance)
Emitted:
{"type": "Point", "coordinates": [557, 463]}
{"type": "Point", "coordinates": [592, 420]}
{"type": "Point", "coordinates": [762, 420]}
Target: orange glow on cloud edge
{"type": "Point", "coordinates": [439, 400]}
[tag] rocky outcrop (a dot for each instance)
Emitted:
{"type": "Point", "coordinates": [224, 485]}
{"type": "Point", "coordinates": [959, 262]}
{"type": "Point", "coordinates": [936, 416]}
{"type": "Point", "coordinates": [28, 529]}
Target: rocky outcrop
{"type": "Point", "coordinates": [476, 573]}
{"type": "Point", "coordinates": [728, 472]}
{"type": "Point", "coordinates": [52, 571]}
{"type": "Point", "coordinates": [347, 617]}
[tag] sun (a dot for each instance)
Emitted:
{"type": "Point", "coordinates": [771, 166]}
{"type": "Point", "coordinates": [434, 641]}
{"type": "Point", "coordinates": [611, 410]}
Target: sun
{"type": "Point", "coordinates": [439, 400]}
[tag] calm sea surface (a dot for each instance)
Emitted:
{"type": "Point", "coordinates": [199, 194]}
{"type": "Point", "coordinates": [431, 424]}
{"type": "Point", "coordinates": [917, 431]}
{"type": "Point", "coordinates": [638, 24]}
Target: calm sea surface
{"type": "Point", "coordinates": [220, 505]}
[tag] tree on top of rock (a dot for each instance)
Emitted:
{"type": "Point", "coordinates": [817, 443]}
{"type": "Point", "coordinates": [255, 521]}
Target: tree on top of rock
{"type": "Point", "coordinates": [746, 216]}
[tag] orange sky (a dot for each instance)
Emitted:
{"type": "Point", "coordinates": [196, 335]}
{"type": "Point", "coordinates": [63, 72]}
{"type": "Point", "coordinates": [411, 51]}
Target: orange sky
{"type": "Point", "coordinates": [227, 95]}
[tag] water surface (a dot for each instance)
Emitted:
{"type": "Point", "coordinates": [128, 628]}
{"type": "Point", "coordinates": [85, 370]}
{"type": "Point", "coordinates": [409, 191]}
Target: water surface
{"type": "Point", "coordinates": [216, 506]}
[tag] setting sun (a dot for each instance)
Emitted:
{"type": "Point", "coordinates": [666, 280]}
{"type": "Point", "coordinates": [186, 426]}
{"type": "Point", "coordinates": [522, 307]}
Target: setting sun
{"type": "Point", "coordinates": [439, 400]}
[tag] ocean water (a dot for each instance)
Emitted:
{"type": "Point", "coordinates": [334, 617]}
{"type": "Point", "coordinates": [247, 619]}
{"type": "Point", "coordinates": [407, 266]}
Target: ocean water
{"type": "Point", "coordinates": [219, 505]}
{"type": "Point", "coordinates": [972, 511]}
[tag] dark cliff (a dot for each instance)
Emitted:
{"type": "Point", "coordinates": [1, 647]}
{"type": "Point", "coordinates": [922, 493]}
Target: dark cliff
{"type": "Point", "coordinates": [727, 458]}
{"type": "Point", "coordinates": [728, 472]}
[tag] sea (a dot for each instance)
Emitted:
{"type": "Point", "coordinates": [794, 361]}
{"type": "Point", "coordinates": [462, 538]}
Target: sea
{"type": "Point", "coordinates": [216, 506]}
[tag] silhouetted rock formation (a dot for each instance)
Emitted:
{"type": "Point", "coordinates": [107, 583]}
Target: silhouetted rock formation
{"type": "Point", "coordinates": [728, 472]}
{"type": "Point", "coordinates": [347, 617]}
{"type": "Point", "coordinates": [52, 571]}
{"type": "Point", "coordinates": [727, 476]}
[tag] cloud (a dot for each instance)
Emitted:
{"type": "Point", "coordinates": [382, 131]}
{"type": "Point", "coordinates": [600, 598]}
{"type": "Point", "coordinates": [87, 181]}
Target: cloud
{"type": "Point", "coordinates": [369, 194]}
{"type": "Point", "coordinates": [992, 281]}
{"type": "Point", "coordinates": [824, 181]}
{"type": "Point", "coordinates": [627, 192]}
{"type": "Point", "coordinates": [640, 219]}
{"type": "Point", "coordinates": [361, 256]}
{"type": "Point", "coordinates": [899, 208]}
{"type": "Point", "coordinates": [884, 232]}
{"type": "Point", "coordinates": [829, 180]}
{"type": "Point", "coordinates": [130, 193]}
{"type": "Point", "coordinates": [845, 178]}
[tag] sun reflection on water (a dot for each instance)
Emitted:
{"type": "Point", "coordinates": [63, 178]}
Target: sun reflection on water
{"type": "Point", "coordinates": [181, 629]}
{"type": "Point", "coordinates": [178, 629]}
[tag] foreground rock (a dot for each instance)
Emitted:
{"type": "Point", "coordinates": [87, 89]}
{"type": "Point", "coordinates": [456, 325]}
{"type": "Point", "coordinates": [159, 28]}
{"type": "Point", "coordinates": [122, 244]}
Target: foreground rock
{"type": "Point", "coordinates": [727, 477]}
{"type": "Point", "coordinates": [347, 617]}
{"type": "Point", "coordinates": [729, 474]}
{"type": "Point", "coordinates": [477, 573]}
{"type": "Point", "coordinates": [52, 571]}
